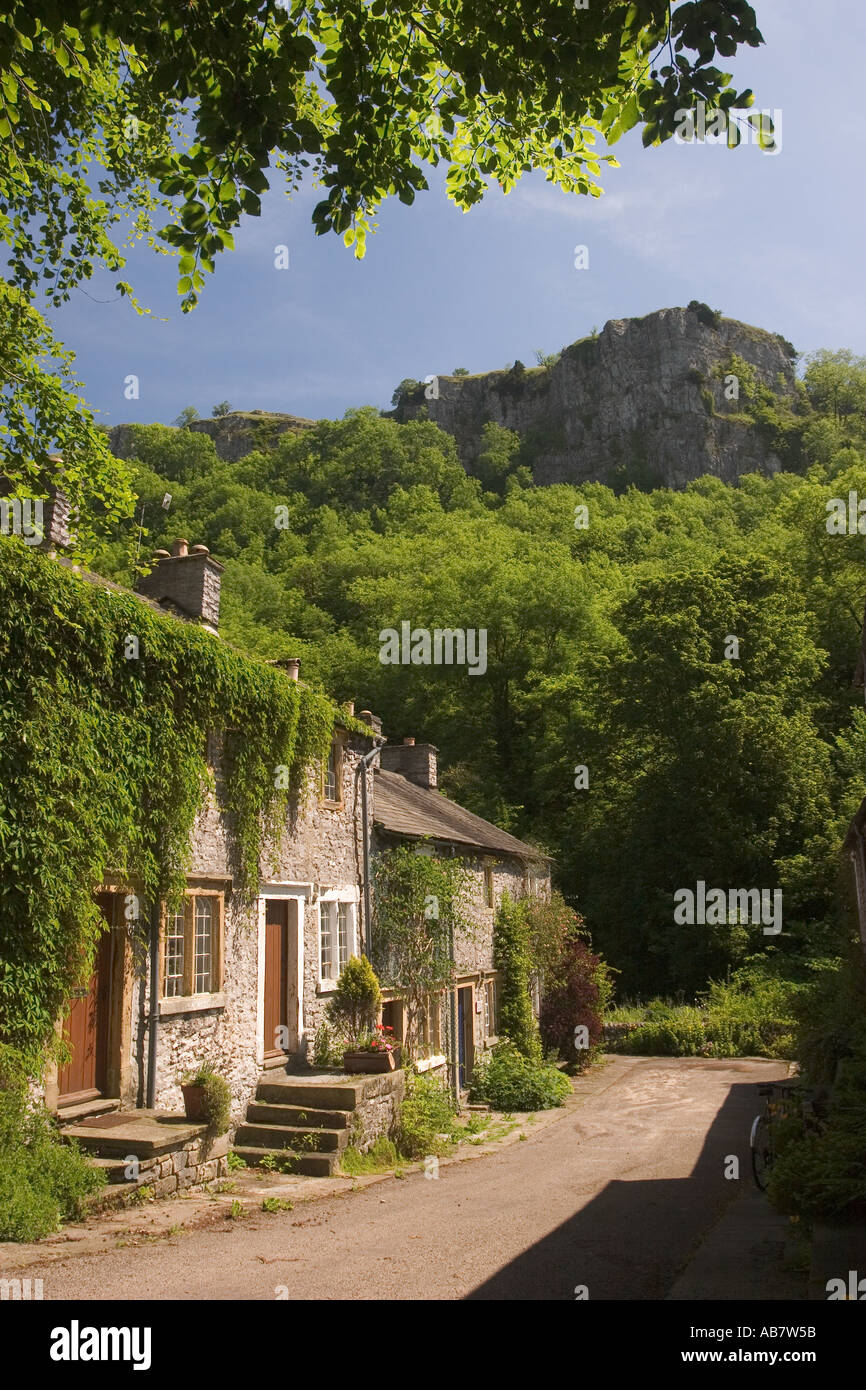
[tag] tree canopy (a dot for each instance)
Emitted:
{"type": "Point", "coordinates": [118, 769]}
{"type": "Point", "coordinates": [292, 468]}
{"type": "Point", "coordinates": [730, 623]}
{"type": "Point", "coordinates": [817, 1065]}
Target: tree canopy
{"type": "Point", "coordinates": [134, 119]}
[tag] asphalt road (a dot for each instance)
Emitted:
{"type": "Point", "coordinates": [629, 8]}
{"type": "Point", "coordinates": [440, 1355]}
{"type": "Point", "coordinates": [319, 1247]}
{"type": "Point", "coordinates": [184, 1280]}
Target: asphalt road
{"type": "Point", "coordinates": [616, 1196]}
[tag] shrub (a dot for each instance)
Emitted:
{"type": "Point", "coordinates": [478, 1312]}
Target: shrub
{"type": "Point", "coordinates": [512, 957]}
{"type": "Point", "coordinates": [328, 1048]}
{"type": "Point", "coordinates": [679, 1034]}
{"type": "Point", "coordinates": [511, 1081]}
{"type": "Point", "coordinates": [577, 999]}
{"type": "Point", "coordinates": [426, 1122]}
{"type": "Point", "coordinates": [43, 1181]}
{"type": "Point", "coordinates": [355, 1002]}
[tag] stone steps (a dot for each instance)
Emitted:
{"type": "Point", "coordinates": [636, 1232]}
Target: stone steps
{"type": "Point", "coordinates": [306, 1121]}
{"type": "Point", "coordinates": [297, 1115]}
{"type": "Point", "coordinates": [86, 1109]}
{"type": "Point", "coordinates": [281, 1137]}
{"type": "Point", "coordinates": [314, 1165]}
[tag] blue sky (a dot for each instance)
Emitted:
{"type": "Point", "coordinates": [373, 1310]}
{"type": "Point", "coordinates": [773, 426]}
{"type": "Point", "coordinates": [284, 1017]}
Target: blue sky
{"type": "Point", "coordinates": [776, 240]}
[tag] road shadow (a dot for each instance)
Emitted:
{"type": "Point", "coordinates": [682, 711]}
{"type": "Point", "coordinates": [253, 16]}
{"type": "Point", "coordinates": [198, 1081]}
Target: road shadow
{"type": "Point", "coordinates": [632, 1240]}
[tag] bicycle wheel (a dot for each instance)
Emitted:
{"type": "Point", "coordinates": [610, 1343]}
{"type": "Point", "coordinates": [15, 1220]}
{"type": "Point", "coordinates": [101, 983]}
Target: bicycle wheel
{"type": "Point", "coordinates": [762, 1151]}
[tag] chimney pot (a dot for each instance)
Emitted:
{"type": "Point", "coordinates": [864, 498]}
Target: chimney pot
{"type": "Point", "coordinates": [350, 707]}
{"type": "Point", "coordinates": [293, 667]}
{"type": "Point", "coordinates": [193, 587]}
{"type": "Point", "coordinates": [409, 742]}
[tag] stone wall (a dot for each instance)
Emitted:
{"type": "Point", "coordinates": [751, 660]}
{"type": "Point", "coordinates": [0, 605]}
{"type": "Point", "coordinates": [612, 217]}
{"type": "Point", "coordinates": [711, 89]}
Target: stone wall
{"type": "Point", "coordinates": [322, 848]}
{"type": "Point", "coordinates": [198, 1162]}
{"type": "Point", "coordinates": [377, 1109]}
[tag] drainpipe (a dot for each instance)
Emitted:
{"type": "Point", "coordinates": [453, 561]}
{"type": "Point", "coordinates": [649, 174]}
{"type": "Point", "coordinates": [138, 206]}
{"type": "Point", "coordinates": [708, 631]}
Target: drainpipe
{"type": "Point", "coordinates": [153, 1026]}
{"type": "Point", "coordinates": [361, 772]}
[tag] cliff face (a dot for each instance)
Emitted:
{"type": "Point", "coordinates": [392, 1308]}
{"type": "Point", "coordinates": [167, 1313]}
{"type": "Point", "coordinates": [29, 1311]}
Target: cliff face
{"type": "Point", "coordinates": [643, 402]}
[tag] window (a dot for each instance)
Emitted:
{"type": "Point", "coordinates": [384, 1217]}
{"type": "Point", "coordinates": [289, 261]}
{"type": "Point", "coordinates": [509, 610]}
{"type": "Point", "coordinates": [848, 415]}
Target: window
{"type": "Point", "coordinates": [332, 783]}
{"type": "Point", "coordinates": [430, 1026]}
{"type": "Point", "coordinates": [491, 1022]}
{"type": "Point", "coordinates": [174, 943]}
{"type": "Point", "coordinates": [489, 899]}
{"type": "Point", "coordinates": [192, 947]}
{"type": "Point", "coordinates": [336, 937]}
{"type": "Point", "coordinates": [392, 1017]}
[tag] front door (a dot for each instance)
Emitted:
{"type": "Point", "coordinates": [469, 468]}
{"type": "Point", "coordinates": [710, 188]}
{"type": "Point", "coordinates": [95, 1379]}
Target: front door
{"type": "Point", "coordinates": [281, 971]}
{"type": "Point", "coordinates": [85, 1029]}
{"type": "Point", "coordinates": [465, 1037]}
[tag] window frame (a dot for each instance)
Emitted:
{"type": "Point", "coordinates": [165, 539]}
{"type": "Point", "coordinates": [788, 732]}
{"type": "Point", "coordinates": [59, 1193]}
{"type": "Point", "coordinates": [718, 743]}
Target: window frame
{"type": "Point", "coordinates": [489, 884]}
{"type": "Point", "coordinates": [188, 998]}
{"type": "Point", "coordinates": [335, 905]}
{"type": "Point", "coordinates": [337, 751]}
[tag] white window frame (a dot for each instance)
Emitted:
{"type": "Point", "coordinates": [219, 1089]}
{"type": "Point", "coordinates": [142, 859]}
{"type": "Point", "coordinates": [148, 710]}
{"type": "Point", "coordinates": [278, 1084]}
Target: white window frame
{"type": "Point", "coordinates": [329, 906]}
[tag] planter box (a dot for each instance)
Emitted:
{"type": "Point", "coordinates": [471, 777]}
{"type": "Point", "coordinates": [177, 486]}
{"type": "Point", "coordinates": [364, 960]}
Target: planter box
{"type": "Point", "coordinates": [192, 1102]}
{"type": "Point", "coordinates": [370, 1061]}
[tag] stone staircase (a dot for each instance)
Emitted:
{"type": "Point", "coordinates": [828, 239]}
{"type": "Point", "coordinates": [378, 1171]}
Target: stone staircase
{"type": "Point", "coordinates": [306, 1121]}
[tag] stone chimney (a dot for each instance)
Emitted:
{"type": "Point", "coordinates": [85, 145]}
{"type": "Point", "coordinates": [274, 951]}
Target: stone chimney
{"type": "Point", "coordinates": [372, 719]}
{"type": "Point", "coordinates": [187, 579]}
{"type": "Point", "coordinates": [418, 762]}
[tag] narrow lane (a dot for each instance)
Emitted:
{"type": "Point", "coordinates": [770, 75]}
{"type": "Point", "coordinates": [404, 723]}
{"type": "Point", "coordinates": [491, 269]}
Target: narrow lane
{"type": "Point", "coordinates": [614, 1197]}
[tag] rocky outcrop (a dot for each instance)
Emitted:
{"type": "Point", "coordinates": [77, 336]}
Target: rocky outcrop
{"type": "Point", "coordinates": [242, 431]}
{"type": "Point", "coordinates": [642, 402]}
{"type": "Point", "coordinates": [234, 435]}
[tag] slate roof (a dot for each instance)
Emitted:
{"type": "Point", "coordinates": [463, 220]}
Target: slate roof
{"type": "Point", "coordinates": [402, 808]}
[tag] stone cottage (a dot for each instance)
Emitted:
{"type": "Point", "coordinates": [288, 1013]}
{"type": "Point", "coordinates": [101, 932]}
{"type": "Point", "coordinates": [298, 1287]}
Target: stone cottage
{"type": "Point", "coordinates": [246, 988]}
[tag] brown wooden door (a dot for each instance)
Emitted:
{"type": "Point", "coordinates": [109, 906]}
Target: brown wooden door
{"type": "Point", "coordinates": [277, 1025]}
{"type": "Point", "coordinates": [85, 1028]}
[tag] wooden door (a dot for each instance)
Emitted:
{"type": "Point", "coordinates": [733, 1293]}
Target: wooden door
{"type": "Point", "coordinates": [281, 969]}
{"type": "Point", "coordinates": [85, 1028]}
{"type": "Point", "coordinates": [465, 1034]}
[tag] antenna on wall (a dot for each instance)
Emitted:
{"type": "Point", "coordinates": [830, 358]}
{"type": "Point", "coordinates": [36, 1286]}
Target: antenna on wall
{"type": "Point", "coordinates": [166, 503]}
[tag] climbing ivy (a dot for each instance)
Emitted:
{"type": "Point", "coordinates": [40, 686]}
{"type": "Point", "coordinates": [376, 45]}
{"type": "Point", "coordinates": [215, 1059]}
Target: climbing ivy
{"type": "Point", "coordinates": [104, 766]}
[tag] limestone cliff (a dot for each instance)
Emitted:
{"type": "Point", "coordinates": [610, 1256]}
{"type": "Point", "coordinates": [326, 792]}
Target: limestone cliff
{"type": "Point", "coordinates": [643, 401]}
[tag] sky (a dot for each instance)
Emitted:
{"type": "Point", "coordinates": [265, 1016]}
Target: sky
{"type": "Point", "coordinates": [776, 240]}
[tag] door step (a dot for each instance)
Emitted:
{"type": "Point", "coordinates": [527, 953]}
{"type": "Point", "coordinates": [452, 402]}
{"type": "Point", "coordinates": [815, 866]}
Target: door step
{"type": "Point", "coordinates": [84, 1109]}
{"type": "Point", "coordinates": [313, 1165]}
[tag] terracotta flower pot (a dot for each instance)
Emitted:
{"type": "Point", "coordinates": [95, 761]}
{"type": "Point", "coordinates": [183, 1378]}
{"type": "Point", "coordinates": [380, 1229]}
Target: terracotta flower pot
{"type": "Point", "coordinates": [369, 1061]}
{"type": "Point", "coordinates": [193, 1102]}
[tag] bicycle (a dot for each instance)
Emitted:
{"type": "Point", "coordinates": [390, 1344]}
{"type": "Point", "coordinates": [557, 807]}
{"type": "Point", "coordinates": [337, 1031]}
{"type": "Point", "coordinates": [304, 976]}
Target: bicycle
{"type": "Point", "coordinates": [783, 1099]}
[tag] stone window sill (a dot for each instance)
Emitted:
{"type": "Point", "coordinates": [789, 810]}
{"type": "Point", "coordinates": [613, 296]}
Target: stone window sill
{"type": "Point", "coordinates": [429, 1063]}
{"type": "Point", "coordinates": [326, 986]}
{"type": "Point", "coordinates": [191, 1004]}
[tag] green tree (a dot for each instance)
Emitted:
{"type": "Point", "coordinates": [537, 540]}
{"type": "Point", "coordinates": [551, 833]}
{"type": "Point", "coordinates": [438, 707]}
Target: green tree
{"type": "Point", "coordinates": [186, 417]}
{"type": "Point", "coordinates": [220, 409]}
{"type": "Point", "coordinates": [116, 120]}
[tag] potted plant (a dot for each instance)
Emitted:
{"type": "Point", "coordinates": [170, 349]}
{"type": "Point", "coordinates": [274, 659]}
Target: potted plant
{"type": "Point", "coordinates": [207, 1097]}
{"type": "Point", "coordinates": [353, 1010]}
{"type": "Point", "coordinates": [376, 1051]}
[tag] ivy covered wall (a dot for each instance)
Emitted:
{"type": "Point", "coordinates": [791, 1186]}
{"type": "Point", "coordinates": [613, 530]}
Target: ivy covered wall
{"type": "Point", "coordinates": [103, 765]}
